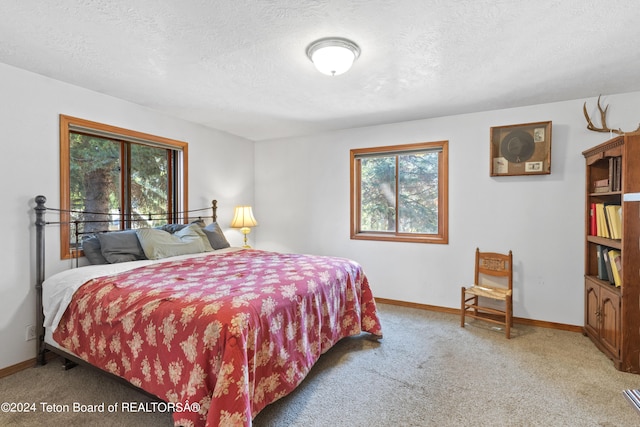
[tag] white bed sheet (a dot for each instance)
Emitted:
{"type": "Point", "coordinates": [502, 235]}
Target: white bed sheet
{"type": "Point", "coordinates": [58, 289]}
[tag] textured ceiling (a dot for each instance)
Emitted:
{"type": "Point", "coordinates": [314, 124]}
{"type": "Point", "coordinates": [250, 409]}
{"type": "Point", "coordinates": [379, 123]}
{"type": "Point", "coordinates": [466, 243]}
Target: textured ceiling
{"type": "Point", "coordinates": [240, 65]}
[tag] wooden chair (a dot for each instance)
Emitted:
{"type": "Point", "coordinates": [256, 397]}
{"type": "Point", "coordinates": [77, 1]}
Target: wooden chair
{"type": "Point", "coordinates": [493, 280]}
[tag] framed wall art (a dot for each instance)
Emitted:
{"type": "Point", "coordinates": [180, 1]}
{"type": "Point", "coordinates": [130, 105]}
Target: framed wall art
{"type": "Point", "coordinates": [523, 149]}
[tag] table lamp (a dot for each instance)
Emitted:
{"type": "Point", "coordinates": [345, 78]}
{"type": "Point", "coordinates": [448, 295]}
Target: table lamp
{"type": "Point", "coordinates": [243, 219]}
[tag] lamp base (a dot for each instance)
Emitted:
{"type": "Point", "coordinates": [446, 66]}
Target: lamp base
{"type": "Point", "coordinates": [245, 231]}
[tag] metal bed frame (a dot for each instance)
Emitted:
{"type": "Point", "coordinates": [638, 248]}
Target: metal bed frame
{"type": "Point", "coordinates": [40, 210]}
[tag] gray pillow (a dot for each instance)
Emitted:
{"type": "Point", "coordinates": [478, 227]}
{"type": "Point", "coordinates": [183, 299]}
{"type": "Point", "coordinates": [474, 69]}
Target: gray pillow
{"type": "Point", "coordinates": [159, 244]}
{"type": "Point", "coordinates": [216, 236]}
{"type": "Point", "coordinates": [171, 228]}
{"type": "Point", "coordinates": [121, 246]}
{"type": "Point", "coordinates": [93, 251]}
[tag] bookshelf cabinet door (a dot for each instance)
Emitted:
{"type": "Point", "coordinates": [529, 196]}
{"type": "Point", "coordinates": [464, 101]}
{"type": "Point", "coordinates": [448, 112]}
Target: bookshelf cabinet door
{"type": "Point", "coordinates": [610, 320]}
{"type": "Point", "coordinates": [592, 308]}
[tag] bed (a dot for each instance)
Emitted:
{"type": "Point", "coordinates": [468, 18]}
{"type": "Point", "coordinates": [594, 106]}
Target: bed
{"type": "Point", "coordinates": [216, 335]}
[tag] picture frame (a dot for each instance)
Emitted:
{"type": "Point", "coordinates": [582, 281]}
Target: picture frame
{"type": "Point", "coordinates": [521, 149]}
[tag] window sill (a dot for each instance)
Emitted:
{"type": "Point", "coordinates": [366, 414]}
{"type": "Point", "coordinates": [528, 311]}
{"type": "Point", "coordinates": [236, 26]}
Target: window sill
{"type": "Point", "coordinates": [383, 237]}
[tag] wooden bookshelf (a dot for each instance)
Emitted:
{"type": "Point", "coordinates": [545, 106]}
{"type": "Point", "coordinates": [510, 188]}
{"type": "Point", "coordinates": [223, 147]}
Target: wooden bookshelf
{"type": "Point", "coordinates": [612, 313]}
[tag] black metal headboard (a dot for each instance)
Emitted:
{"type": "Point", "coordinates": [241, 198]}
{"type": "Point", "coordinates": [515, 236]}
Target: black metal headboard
{"type": "Point", "coordinates": [41, 223]}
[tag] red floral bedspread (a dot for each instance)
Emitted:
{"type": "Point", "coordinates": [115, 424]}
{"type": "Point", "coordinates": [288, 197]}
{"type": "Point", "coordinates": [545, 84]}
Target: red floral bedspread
{"type": "Point", "coordinates": [231, 332]}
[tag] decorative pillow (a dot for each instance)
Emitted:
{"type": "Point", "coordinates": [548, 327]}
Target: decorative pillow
{"type": "Point", "coordinates": [120, 246]}
{"type": "Point", "coordinates": [159, 244]}
{"type": "Point", "coordinates": [216, 237]}
{"type": "Point", "coordinates": [93, 251]}
{"type": "Point", "coordinates": [200, 231]}
{"type": "Point", "coordinates": [173, 228]}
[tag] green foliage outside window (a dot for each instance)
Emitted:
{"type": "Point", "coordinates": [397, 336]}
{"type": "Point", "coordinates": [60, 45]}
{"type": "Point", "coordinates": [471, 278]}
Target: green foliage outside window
{"type": "Point", "coordinates": [416, 202]}
{"type": "Point", "coordinates": [400, 193]}
{"type": "Point", "coordinates": [97, 173]}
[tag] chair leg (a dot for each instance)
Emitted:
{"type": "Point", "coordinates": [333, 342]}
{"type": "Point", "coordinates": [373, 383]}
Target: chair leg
{"type": "Point", "coordinates": [462, 309]}
{"type": "Point", "coordinates": [508, 317]}
{"type": "Point", "coordinates": [511, 311]}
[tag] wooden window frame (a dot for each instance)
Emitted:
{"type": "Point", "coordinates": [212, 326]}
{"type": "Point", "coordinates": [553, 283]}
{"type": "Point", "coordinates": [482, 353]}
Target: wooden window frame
{"type": "Point", "coordinates": [73, 124]}
{"type": "Point", "coordinates": [442, 237]}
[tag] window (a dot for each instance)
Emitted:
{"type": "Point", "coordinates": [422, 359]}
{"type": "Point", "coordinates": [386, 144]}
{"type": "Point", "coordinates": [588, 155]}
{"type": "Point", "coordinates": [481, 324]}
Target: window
{"type": "Point", "coordinates": [121, 177]}
{"type": "Point", "coordinates": [400, 193]}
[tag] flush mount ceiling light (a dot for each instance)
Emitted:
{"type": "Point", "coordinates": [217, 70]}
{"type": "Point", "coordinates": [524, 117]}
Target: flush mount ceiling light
{"type": "Point", "coordinates": [333, 55]}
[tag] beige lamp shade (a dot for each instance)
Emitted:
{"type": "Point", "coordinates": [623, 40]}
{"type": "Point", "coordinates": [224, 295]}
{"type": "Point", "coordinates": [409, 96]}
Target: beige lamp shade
{"type": "Point", "coordinates": [243, 219]}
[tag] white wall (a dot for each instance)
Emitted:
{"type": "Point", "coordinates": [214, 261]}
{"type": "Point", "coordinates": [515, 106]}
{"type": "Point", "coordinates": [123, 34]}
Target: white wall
{"type": "Point", "coordinates": [302, 205]}
{"type": "Point", "coordinates": [220, 166]}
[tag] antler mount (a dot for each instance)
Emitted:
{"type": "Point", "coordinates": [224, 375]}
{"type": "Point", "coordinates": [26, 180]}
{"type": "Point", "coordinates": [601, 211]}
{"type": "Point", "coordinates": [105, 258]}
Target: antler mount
{"type": "Point", "coordinates": [603, 120]}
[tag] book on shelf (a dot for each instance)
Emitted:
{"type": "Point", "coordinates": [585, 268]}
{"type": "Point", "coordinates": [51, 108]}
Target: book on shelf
{"type": "Point", "coordinates": [601, 220]}
{"type": "Point", "coordinates": [601, 189]}
{"type": "Point", "coordinates": [607, 222]}
{"type": "Point", "coordinates": [607, 264]}
{"type": "Point", "coordinates": [614, 220]}
{"type": "Point", "coordinates": [602, 268]}
{"type": "Point", "coordinates": [615, 260]}
{"type": "Point", "coordinates": [601, 185]}
{"type": "Point", "coordinates": [615, 173]}
{"type": "Point", "coordinates": [612, 174]}
{"type": "Point", "coordinates": [614, 180]}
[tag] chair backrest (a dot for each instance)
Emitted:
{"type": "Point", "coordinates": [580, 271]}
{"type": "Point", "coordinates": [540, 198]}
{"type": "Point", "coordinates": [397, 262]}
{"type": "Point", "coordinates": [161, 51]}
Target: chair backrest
{"type": "Point", "coordinates": [494, 269]}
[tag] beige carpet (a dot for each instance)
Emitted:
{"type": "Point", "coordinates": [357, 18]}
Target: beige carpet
{"type": "Point", "coordinates": [427, 371]}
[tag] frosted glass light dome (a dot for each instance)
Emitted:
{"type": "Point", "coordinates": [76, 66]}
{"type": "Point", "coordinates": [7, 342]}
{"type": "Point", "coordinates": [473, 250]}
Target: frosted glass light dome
{"type": "Point", "coordinates": [333, 56]}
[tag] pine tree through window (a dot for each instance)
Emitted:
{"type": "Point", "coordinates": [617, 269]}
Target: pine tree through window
{"type": "Point", "coordinates": [126, 174]}
{"type": "Point", "coordinates": [399, 193]}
